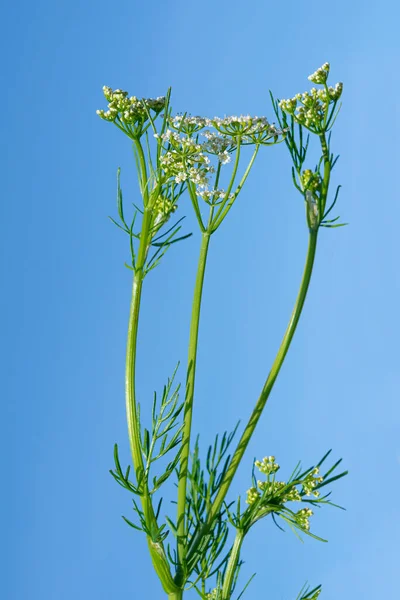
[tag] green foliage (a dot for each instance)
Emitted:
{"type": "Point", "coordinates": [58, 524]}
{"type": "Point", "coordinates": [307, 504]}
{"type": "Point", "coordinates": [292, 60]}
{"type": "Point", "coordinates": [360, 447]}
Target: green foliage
{"type": "Point", "coordinates": [163, 438]}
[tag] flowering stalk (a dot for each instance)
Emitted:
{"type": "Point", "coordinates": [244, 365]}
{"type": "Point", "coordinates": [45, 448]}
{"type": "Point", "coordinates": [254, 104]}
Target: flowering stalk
{"type": "Point", "coordinates": [156, 548]}
{"type": "Point", "coordinates": [188, 410]}
{"type": "Point", "coordinates": [232, 565]}
{"type": "Point", "coordinates": [241, 130]}
{"type": "Point", "coordinates": [318, 118]}
{"type": "Point", "coordinates": [176, 159]}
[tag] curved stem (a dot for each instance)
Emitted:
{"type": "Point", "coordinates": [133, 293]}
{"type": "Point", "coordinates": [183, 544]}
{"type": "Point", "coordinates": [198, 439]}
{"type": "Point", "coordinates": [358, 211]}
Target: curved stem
{"type": "Point", "coordinates": [190, 382]}
{"type": "Point", "coordinates": [262, 400]}
{"type": "Point", "coordinates": [156, 549]}
{"type": "Point", "coordinates": [230, 572]}
{"type": "Point", "coordinates": [130, 370]}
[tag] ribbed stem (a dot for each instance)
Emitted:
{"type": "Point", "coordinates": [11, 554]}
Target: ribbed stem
{"type": "Point", "coordinates": [188, 411]}
{"type": "Point", "coordinates": [176, 595]}
{"type": "Point", "coordinates": [232, 565]}
{"type": "Point", "coordinates": [157, 552]}
{"type": "Point", "coordinates": [130, 370]}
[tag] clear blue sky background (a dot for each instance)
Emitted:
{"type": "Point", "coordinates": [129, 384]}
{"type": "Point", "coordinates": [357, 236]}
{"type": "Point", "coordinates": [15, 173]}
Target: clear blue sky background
{"type": "Point", "coordinates": [65, 291]}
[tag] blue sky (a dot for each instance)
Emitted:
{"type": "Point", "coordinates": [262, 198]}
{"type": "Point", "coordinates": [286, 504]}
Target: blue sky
{"type": "Point", "coordinates": [66, 292]}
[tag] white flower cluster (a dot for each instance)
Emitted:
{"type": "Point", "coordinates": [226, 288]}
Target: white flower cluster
{"type": "Point", "coordinates": [212, 196]}
{"type": "Point", "coordinates": [321, 74]}
{"type": "Point", "coordinates": [128, 110]}
{"type": "Point", "coordinates": [184, 159]}
{"type": "Point", "coordinates": [302, 517]}
{"type": "Point", "coordinates": [188, 123]}
{"type": "Point", "coordinates": [248, 128]}
{"type": "Point", "coordinates": [251, 130]}
{"type": "Point", "coordinates": [219, 145]}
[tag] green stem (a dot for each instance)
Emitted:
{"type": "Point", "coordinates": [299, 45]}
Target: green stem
{"type": "Point", "coordinates": [234, 557]}
{"type": "Point", "coordinates": [190, 382]}
{"type": "Point", "coordinates": [273, 374]}
{"type": "Point", "coordinates": [176, 595]}
{"type": "Point", "coordinates": [230, 186]}
{"type": "Point", "coordinates": [130, 375]}
{"type": "Point", "coordinates": [327, 172]}
{"type": "Point", "coordinates": [143, 171]}
{"type": "Point", "coordinates": [226, 208]}
{"type": "Point", "coordinates": [156, 549]}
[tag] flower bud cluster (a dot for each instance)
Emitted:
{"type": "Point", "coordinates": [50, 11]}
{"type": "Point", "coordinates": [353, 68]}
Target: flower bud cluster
{"type": "Point", "coordinates": [302, 517]}
{"type": "Point", "coordinates": [270, 488]}
{"type": "Point", "coordinates": [213, 595]}
{"type": "Point", "coordinates": [267, 465]}
{"type": "Point", "coordinates": [163, 208]}
{"type": "Point", "coordinates": [126, 109]}
{"type": "Point", "coordinates": [310, 482]}
{"type": "Point", "coordinates": [321, 74]}
{"type": "Point", "coordinates": [311, 108]}
{"type": "Point", "coordinates": [310, 180]}
{"type": "Point", "coordinates": [252, 495]}
{"type": "Point", "coordinates": [274, 489]}
{"type": "Point", "coordinates": [280, 491]}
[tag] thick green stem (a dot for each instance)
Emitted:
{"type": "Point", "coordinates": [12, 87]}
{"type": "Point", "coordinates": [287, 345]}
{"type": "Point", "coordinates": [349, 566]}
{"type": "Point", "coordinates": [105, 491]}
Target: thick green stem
{"type": "Point", "coordinates": [176, 595]}
{"type": "Point", "coordinates": [190, 383]}
{"type": "Point", "coordinates": [130, 374]}
{"type": "Point", "coordinates": [232, 565]}
{"type": "Point", "coordinates": [273, 374]}
{"type": "Point", "coordinates": [156, 549]}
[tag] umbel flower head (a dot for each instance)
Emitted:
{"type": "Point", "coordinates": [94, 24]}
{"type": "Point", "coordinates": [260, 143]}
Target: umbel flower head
{"type": "Point", "coordinates": [276, 498]}
{"type": "Point", "coordinates": [280, 491]}
{"type": "Point", "coordinates": [184, 159]}
{"type": "Point", "coordinates": [321, 74]}
{"type": "Point", "coordinates": [128, 110]}
{"type": "Point", "coordinates": [315, 109]}
{"type": "Point", "coordinates": [189, 148]}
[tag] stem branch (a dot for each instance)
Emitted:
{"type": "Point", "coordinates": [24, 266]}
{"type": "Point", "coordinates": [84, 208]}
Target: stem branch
{"type": "Point", "coordinates": [273, 374]}
{"type": "Point", "coordinates": [232, 565]}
